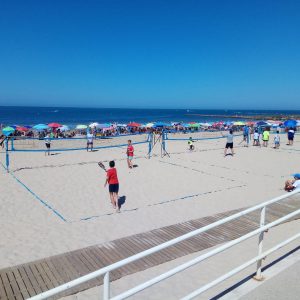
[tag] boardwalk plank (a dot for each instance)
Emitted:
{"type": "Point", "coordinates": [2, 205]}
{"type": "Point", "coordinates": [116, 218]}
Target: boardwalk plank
{"type": "Point", "coordinates": [29, 279]}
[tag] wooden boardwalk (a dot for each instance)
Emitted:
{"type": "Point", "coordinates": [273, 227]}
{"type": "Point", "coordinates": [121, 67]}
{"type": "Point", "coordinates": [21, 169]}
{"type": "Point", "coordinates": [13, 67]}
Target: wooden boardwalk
{"type": "Point", "coordinates": [23, 281]}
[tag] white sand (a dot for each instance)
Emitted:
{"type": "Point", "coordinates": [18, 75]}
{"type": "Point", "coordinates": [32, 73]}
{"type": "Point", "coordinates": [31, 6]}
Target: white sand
{"type": "Point", "coordinates": [157, 192]}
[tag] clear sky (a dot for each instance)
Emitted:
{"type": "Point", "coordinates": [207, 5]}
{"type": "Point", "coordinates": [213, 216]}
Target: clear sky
{"type": "Point", "coordinates": [156, 54]}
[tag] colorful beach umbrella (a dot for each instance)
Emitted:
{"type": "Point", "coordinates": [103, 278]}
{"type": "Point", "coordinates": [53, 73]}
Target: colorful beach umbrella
{"type": "Point", "coordinates": [104, 125]}
{"type": "Point", "coordinates": [93, 125]}
{"type": "Point", "coordinates": [239, 123]}
{"type": "Point", "coordinates": [54, 125]}
{"type": "Point", "coordinates": [262, 123]}
{"type": "Point", "coordinates": [81, 126]}
{"type": "Point", "coordinates": [290, 123]}
{"type": "Point", "coordinates": [161, 124]}
{"type": "Point", "coordinates": [194, 125]}
{"type": "Point", "coordinates": [133, 124]}
{"type": "Point", "coordinates": [22, 129]}
{"type": "Point", "coordinates": [64, 128]}
{"type": "Point", "coordinates": [40, 127]}
{"type": "Point", "coordinates": [8, 130]}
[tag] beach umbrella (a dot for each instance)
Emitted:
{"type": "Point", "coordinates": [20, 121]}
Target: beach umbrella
{"type": "Point", "coordinates": [250, 123]}
{"type": "Point", "coordinates": [21, 128]}
{"type": "Point", "coordinates": [104, 125]}
{"type": "Point", "coordinates": [298, 123]}
{"type": "Point", "coordinates": [64, 128]}
{"type": "Point", "coordinates": [80, 126]}
{"type": "Point", "coordinates": [290, 123]}
{"type": "Point", "coordinates": [40, 127]}
{"type": "Point", "coordinates": [206, 124]}
{"type": "Point", "coordinates": [121, 125]}
{"type": "Point", "coordinates": [262, 123]}
{"type": "Point", "coordinates": [161, 124]}
{"type": "Point", "coordinates": [8, 130]}
{"type": "Point", "coordinates": [133, 124]}
{"type": "Point", "coordinates": [93, 125]}
{"type": "Point", "coordinates": [239, 123]}
{"type": "Point", "coordinates": [54, 125]}
{"type": "Point", "coordinates": [27, 126]}
{"type": "Point", "coordinates": [149, 125]}
{"type": "Point", "coordinates": [195, 125]}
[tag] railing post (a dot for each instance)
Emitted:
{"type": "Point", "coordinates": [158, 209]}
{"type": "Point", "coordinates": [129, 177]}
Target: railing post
{"type": "Point", "coordinates": [106, 287]}
{"type": "Point", "coordinates": [150, 140]}
{"type": "Point", "coordinates": [258, 276]}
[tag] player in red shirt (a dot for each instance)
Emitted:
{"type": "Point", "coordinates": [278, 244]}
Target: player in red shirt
{"type": "Point", "coordinates": [130, 151]}
{"type": "Point", "coordinates": [113, 185]}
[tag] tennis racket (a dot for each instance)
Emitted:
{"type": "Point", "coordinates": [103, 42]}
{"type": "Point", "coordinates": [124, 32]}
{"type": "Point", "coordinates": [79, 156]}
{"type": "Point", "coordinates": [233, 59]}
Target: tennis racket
{"type": "Point", "coordinates": [101, 165]}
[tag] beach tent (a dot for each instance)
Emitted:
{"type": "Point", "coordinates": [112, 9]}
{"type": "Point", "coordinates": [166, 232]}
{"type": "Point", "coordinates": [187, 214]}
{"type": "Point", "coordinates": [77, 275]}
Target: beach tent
{"type": "Point", "coordinates": [133, 124]}
{"type": "Point", "coordinates": [8, 130]}
{"type": "Point", "coordinates": [290, 123]}
{"type": "Point", "coordinates": [40, 127]}
{"type": "Point", "coordinates": [54, 125]}
{"type": "Point", "coordinates": [80, 126]}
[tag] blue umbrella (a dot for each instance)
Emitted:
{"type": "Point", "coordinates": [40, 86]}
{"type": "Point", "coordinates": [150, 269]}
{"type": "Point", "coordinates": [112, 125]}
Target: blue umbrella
{"type": "Point", "coordinates": [40, 127]}
{"type": "Point", "coordinates": [290, 123]}
{"type": "Point", "coordinates": [262, 123]}
{"type": "Point", "coordinates": [8, 130]}
{"type": "Point", "coordinates": [161, 124]}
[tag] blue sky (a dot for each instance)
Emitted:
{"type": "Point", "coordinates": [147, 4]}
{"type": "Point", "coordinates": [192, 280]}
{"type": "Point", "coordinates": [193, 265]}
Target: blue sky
{"type": "Point", "coordinates": [152, 54]}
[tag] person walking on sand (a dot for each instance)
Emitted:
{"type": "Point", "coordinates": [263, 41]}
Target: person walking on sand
{"type": "Point", "coordinates": [48, 143]}
{"type": "Point", "coordinates": [229, 143]}
{"type": "Point", "coordinates": [129, 152]}
{"type": "Point", "coordinates": [113, 185]}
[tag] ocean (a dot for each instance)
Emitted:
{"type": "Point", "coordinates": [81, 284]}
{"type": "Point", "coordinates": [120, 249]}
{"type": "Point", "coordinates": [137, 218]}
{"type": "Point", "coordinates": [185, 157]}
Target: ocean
{"type": "Point", "coordinates": [16, 115]}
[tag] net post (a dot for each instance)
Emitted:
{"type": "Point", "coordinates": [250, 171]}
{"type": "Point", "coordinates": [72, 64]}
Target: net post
{"type": "Point", "coordinates": [12, 144]}
{"type": "Point", "coordinates": [7, 154]}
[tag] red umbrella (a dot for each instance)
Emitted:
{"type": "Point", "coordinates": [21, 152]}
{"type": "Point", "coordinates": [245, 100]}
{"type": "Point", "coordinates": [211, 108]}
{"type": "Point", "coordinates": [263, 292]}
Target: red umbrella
{"type": "Point", "coordinates": [20, 128]}
{"type": "Point", "coordinates": [54, 125]}
{"type": "Point", "coordinates": [133, 124]}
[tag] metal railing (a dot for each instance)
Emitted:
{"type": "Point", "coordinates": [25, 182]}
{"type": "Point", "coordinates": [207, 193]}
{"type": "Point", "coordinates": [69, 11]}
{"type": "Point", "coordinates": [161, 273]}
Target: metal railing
{"type": "Point", "coordinates": [261, 230]}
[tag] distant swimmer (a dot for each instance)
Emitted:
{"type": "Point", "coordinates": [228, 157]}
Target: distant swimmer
{"type": "Point", "coordinates": [130, 152]}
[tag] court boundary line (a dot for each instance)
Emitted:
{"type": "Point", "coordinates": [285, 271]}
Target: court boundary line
{"type": "Point", "coordinates": [58, 214]}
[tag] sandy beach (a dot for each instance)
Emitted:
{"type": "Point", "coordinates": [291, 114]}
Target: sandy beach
{"type": "Point", "coordinates": [53, 204]}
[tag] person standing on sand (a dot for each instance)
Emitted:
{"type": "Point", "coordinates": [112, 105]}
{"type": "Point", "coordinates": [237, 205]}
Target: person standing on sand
{"type": "Point", "coordinates": [48, 143]}
{"type": "Point", "coordinates": [266, 137]}
{"type": "Point", "coordinates": [276, 140]}
{"type": "Point", "coordinates": [229, 143]}
{"type": "Point", "coordinates": [113, 185]}
{"type": "Point", "coordinates": [291, 134]}
{"type": "Point", "coordinates": [129, 152]}
{"type": "Point", "coordinates": [90, 140]}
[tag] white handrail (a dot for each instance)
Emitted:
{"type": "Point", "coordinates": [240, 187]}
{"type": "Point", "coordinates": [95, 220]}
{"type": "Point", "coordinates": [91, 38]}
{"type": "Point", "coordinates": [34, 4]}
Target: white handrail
{"type": "Point", "coordinates": [162, 246]}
